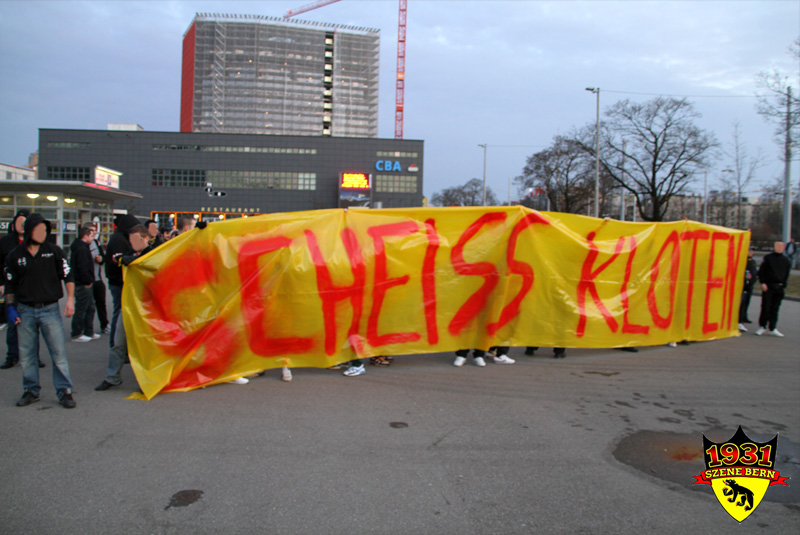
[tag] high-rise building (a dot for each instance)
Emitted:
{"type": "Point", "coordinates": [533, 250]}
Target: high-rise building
{"type": "Point", "coordinates": [265, 75]}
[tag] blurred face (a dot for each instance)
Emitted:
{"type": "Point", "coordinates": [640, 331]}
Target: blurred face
{"type": "Point", "coordinates": [89, 237]}
{"type": "Point", "coordinates": [19, 225]}
{"type": "Point", "coordinates": [189, 226]}
{"type": "Point", "coordinates": [779, 247]}
{"type": "Point", "coordinates": [139, 241]}
{"type": "Point", "coordinates": [750, 253]}
{"type": "Point", "coordinates": [152, 229]}
{"type": "Point", "coordinates": [39, 234]}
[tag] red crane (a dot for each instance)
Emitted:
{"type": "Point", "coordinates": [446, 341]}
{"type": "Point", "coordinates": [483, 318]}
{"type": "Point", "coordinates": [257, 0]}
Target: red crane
{"type": "Point", "coordinates": [401, 57]}
{"type": "Point", "coordinates": [308, 7]}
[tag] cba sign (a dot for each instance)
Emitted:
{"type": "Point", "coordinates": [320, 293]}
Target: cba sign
{"type": "Point", "coordinates": [739, 471]}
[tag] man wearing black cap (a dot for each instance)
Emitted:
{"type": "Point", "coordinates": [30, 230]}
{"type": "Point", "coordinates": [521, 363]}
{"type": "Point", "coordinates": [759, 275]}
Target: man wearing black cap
{"type": "Point", "coordinates": [7, 244]}
{"type": "Point", "coordinates": [34, 272]}
{"type": "Point", "coordinates": [118, 244]}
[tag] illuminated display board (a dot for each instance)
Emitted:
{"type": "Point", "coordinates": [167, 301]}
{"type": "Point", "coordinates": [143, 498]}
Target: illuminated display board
{"type": "Point", "coordinates": [354, 181]}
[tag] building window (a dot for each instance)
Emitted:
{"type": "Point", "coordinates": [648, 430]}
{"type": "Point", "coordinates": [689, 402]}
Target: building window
{"type": "Point", "coordinates": [396, 183]}
{"type": "Point", "coordinates": [228, 148]}
{"type": "Point", "coordinates": [222, 180]}
{"type": "Point", "coordinates": [68, 173]}
{"type": "Point", "coordinates": [67, 145]}
{"type": "Point", "coordinates": [179, 178]}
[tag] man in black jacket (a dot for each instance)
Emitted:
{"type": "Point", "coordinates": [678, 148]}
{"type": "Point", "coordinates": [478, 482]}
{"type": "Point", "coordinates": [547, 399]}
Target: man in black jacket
{"type": "Point", "coordinates": [83, 270]}
{"type": "Point", "coordinates": [118, 244]}
{"type": "Point", "coordinates": [7, 244]}
{"type": "Point", "coordinates": [34, 273]}
{"type": "Point", "coordinates": [773, 274]}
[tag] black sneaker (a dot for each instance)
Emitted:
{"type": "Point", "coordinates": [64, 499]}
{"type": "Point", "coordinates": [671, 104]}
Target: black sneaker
{"type": "Point", "coordinates": [66, 401]}
{"type": "Point", "coordinates": [27, 398]}
{"type": "Point", "coordinates": [8, 364]}
{"type": "Point", "coordinates": [105, 385]}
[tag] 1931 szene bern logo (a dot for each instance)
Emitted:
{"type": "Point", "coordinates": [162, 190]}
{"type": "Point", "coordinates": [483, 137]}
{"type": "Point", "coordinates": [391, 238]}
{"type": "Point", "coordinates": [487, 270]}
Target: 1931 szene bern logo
{"type": "Point", "coordinates": [740, 471]}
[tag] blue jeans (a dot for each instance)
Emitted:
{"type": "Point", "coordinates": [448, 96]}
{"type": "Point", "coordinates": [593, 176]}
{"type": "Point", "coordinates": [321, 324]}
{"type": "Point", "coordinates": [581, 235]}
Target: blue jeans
{"type": "Point", "coordinates": [46, 320]}
{"type": "Point", "coordinates": [116, 299]}
{"type": "Point", "coordinates": [116, 357]}
{"type": "Point", "coordinates": [12, 343]}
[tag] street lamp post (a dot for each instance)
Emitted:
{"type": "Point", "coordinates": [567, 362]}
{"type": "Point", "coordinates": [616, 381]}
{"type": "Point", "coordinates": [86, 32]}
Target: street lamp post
{"type": "Point", "coordinates": [484, 172]}
{"type": "Point", "coordinates": [705, 197]}
{"type": "Point", "coordinates": [596, 90]}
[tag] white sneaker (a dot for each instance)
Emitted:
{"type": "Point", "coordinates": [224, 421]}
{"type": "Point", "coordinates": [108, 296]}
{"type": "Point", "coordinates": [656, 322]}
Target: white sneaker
{"type": "Point", "coordinates": [354, 371]}
{"type": "Point", "coordinates": [95, 336]}
{"type": "Point", "coordinates": [759, 331]}
{"type": "Point", "coordinates": [776, 332]}
{"type": "Point", "coordinates": [460, 361]}
{"type": "Point", "coordinates": [240, 381]}
{"type": "Point", "coordinates": [673, 344]}
{"type": "Point", "coordinates": [742, 328]}
{"type": "Point", "coordinates": [286, 374]}
{"type": "Point", "coordinates": [82, 338]}
{"type": "Point", "coordinates": [479, 361]}
{"type": "Point", "coordinates": [3, 326]}
{"type": "Point", "coordinates": [503, 359]}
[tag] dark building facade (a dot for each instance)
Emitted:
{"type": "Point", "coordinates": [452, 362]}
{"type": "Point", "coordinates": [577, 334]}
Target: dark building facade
{"type": "Point", "coordinates": [218, 176]}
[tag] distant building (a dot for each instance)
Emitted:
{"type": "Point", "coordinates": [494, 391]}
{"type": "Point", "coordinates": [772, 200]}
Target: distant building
{"type": "Point", "coordinates": [126, 127]}
{"type": "Point", "coordinates": [187, 173]}
{"type": "Point", "coordinates": [266, 75]}
{"type": "Point", "coordinates": [12, 172]}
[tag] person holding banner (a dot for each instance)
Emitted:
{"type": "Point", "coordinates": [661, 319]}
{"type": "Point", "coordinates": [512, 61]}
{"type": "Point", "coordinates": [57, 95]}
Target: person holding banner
{"type": "Point", "coordinates": [118, 244]}
{"type": "Point", "coordinates": [500, 355]}
{"type": "Point", "coordinates": [477, 357]}
{"type": "Point", "coordinates": [773, 274]}
{"type": "Point", "coordinates": [139, 240]}
{"type": "Point", "coordinates": [354, 368]}
{"type": "Point", "coordinates": [750, 270]}
{"type": "Point", "coordinates": [558, 352]}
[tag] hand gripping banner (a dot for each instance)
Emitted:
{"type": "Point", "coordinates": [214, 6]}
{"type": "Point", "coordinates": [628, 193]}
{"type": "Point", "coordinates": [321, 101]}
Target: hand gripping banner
{"type": "Point", "coordinates": [321, 287]}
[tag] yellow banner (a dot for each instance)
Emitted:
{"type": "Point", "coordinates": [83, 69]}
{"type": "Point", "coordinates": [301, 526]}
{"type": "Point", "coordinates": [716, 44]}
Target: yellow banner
{"type": "Point", "coordinates": [318, 288]}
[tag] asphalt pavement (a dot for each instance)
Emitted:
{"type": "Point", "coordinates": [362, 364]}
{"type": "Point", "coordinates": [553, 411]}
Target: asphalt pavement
{"type": "Point", "coordinates": [602, 441]}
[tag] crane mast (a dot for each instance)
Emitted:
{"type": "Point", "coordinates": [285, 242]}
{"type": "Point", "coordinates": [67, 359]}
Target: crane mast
{"type": "Point", "coordinates": [401, 71]}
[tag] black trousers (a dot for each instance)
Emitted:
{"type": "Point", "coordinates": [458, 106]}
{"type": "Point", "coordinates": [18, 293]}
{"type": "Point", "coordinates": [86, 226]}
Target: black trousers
{"type": "Point", "coordinates": [99, 292]}
{"type": "Point", "coordinates": [747, 293]}
{"type": "Point", "coordinates": [770, 304]}
{"type": "Point", "coordinates": [475, 354]}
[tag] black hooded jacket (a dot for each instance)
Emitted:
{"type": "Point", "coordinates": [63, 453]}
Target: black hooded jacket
{"type": "Point", "coordinates": [12, 239]}
{"type": "Point", "coordinates": [119, 244]}
{"type": "Point", "coordinates": [37, 279]}
{"type": "Point", "coordinates": [82, 263]}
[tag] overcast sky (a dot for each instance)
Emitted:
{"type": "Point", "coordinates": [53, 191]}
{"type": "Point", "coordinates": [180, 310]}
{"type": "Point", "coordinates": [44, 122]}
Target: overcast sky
{"type": "Point", "coordinates": [507, 74]}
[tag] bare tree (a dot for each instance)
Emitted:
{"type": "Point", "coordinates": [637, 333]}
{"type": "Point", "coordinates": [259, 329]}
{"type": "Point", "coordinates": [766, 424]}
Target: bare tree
{"type": "Point", "coordinates": [775, 96]}
{"type": "Point", "coordinates": [564, 172]}
{"type": "Point", "coordinates": [469, 194]}
{"type": "Point", "coordinates": [741, 171]}
{"type": "Point", "coordinates": [654, 150]}
{"type": "Point", "coordinates": [775, 104]}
